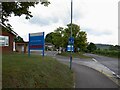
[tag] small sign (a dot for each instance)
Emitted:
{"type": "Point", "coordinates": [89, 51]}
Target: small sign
{"type": "Point", "coordinates": [71, 40]}
{"type": "Point", "coordinates": [70, 48]}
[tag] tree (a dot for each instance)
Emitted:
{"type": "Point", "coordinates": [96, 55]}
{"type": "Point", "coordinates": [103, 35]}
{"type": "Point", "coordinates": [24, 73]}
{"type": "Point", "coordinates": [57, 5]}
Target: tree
{"type": "Point", "coordinates": [19, 39]}
{"type": "Point", "coordinates": [116, 47]}
{"type": "Point", "coordinates": [55, 37]}
{"type": "Point", "coordinates": [58, 38]}
{"type": "Point", "coordinates": [49, 38]}
{"type": "Point", "coordinates": [80, 40]}
{"type": "Point", "coordinates": [19, 8]}
{"type": "Point", "coordinates": [91, 47]}
{"type": "Point", "coordinates": [61, 35]}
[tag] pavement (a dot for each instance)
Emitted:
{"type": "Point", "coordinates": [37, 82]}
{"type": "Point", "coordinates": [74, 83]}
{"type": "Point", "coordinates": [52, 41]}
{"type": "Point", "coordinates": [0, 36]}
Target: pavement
{"type": "Point", "coordinates": [90, 74]}
{"type": "Point", "coordinates": [86, 77]}
{"type": "Point", "coordinates": [111, 63]}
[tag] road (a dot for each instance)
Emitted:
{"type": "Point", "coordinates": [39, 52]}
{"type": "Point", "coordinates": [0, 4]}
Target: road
{"type": "Point", "coordinates": [86, 77]}
{"type": "Point", "coordinates": [111, 63]}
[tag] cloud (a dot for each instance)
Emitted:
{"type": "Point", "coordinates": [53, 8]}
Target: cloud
{"type": "Point", "coordinates": [99, 18]}
{"type": "Point", "coordinates": [97, 33]}
{"type": "Point", "coordinates": [43, 21]}
{"type": "Point", "coordinates": [104, 39]}
{"type": "Point", "coordinates": [57, 11]}
{"type": "Point", "coordinates": [23, 27]}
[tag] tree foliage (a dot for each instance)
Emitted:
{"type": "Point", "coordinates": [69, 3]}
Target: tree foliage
{"type": "Point", "coordinates": [61, 35]}
{"type": "Point", "coordinates": [91, 47]}
{"type": "Point", "coordinates": [19, 8]}
{"type": "Point", "coordinates": [49, 37]}
{"type": "Point", "coordinates": [116, 47]}
{"type": "Point", "coordinates": [55, 37]}
{"type": "Point", "coordinates": [19, 39]}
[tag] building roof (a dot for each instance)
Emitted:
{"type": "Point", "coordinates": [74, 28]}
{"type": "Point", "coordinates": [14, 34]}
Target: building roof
{"type": "Point", "coordinates": [4, 28]}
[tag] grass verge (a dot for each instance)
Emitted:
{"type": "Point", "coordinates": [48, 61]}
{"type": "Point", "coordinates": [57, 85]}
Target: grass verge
{"type": "Point", "coordinates": [21, 71]}
{"type": "Point", "coordinates": [74, 55]}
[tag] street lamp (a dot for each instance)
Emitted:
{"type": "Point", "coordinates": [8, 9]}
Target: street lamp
{"type": "Point", "coordinates": [71, 35]}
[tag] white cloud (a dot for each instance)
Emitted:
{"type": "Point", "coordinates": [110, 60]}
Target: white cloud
{"type": "Point", "coordinates": [99, 18]}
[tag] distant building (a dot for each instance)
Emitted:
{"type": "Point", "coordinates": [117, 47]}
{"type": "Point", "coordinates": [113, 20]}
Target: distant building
{"type": "Point", "coordinates": [49, 46]}
{"type": "Point", "coordinates": [21, 47]}
{"type": "Point", "coordinates": [6, 39]}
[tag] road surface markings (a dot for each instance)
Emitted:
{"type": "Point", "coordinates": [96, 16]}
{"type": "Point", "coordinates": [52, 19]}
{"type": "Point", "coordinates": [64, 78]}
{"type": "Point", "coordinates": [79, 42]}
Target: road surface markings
{"type": "Point", "coordinates": [118, 76]}
{"type": "Point", "coordinates": [94, 60]}
{"type": "Point", "coordinates": [108, 69]}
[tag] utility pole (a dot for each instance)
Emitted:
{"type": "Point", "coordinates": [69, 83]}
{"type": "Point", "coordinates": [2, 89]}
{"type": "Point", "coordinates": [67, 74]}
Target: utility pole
{"type": "Point", "coordinates": [71, 35]}
{"type": "Point", "coordinates": [71, 15]}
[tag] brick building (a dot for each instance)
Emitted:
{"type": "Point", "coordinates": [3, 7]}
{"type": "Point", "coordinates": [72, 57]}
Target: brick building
{"type": "Point", "coordinates": [21, 47]}
{"type": "Point", "coordinates": [6, 39]}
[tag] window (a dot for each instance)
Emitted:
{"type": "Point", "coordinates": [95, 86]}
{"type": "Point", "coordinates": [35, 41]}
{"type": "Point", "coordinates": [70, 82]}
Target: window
{"type": "Point", "coordinates": [4, 40]}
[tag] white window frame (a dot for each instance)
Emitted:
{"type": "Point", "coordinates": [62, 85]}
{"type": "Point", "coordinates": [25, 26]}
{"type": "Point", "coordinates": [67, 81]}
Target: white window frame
{"type": "Point", "coordinates": [4, 40]}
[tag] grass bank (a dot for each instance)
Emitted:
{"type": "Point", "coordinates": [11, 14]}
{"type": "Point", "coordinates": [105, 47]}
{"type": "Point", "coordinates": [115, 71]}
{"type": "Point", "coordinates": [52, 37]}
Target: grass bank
{"type": "Point", "coordinates": [109, 53]}
{"type": "Point", "coordinates": [21, 71]}
{"type": "Point", "coordinates": [74, 55]}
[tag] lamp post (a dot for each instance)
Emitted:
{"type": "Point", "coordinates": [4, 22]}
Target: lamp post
{"type": "Point", "coordinates": [71, 36]}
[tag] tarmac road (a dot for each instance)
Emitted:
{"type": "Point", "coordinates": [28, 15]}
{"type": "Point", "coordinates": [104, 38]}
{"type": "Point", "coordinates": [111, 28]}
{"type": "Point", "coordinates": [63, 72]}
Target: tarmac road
{"type": "Point", "coordinates": [90, 78]}
{"type": "Point", "coordinates": [86, 77]}
{"type": "Point", "coordinates": [111, 63]}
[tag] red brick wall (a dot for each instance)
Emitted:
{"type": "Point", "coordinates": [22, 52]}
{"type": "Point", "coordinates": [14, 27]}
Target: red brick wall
{"type": "Point", "coordinates": [11, 40]}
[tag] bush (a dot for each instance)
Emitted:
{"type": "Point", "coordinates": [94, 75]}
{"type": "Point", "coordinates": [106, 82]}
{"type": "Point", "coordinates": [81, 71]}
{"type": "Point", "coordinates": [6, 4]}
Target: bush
{"type": "Point", "coordinates": [111, 53]}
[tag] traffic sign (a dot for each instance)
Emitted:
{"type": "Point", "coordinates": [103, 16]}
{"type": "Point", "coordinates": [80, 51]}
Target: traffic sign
{"type": "Point", "coordinates": [71, 40]}
{"type": "Point", "coordinates": [70, 48]}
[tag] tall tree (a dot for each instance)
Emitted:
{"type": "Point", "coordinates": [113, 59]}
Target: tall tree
{"type": "Point", "coordinates": [80, 40]}
{"type": "Point", "coordinates": [19, 8]}
{"type": "Point", "coordinates": [55, 37]}
{"type": "Point", "coordinates": [91, 47]}
{"type": "Point", "coordinates": [61, 35]}
{"type": "Point", "coordinates": [19, 39]}
{"type": "Point", "coordinates": [49, 38]}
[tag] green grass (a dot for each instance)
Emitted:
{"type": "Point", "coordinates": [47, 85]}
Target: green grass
{"type": "Point", "coordinates": [109, 53]}
{"type": "Point", "coordinates": [21, 71]}
{"type": "Point", "coordinates": [74, 55]}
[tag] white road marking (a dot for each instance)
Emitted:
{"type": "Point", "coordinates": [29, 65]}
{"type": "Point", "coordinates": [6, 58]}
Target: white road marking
{"type": "Point", "coordinates": [113, 72]}
{"type": "Point", "coordinates": [94, 60]}
{"type": "Point", "coordinates": [118, 76]}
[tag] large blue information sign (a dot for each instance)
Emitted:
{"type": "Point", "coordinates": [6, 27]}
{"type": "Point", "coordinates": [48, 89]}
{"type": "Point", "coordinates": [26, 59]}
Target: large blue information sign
{"type": "Point", "coordinates": [36, 42]}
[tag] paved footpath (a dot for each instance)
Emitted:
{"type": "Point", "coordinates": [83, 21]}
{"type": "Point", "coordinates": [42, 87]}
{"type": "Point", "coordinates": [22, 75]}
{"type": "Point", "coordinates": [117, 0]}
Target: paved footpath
{"type": "Point", "coordinates": [90, 78]}
{"type": "Point", "coordinates": [86, 77]}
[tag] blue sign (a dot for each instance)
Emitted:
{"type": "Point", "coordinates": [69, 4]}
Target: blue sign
{"type": "Point", "coordinates": [36, 42]}
{"type": "Point", "coordinates": [71, 40]}
{"type": "Point", "coordinates": [70, 48]}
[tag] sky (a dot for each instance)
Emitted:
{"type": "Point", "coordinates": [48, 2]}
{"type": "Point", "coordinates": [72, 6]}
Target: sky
{"type": "Point", "coordinates": [98, 18]}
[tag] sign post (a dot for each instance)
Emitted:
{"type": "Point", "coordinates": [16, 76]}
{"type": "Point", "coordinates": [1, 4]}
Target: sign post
{"type": "Point", "coordinates": [36, 42]}
{"type": "Point", "coordinates": [71, 35]}
{"type": "Point", "coordinates": [70, 48]}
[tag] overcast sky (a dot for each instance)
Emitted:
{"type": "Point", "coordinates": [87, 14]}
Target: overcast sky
{"type": "Point", "coordinates": [98, 18]}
